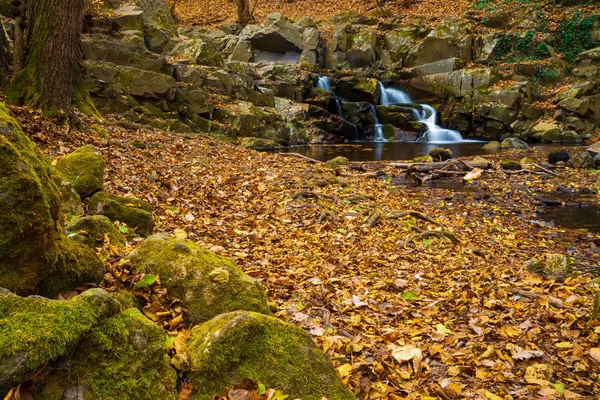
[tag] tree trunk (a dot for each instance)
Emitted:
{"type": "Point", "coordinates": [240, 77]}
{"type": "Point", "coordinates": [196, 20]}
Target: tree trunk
{"type": "Point", "coordinates": [51, 58]}
{"type": "Point", "coordinates": [5, 55]}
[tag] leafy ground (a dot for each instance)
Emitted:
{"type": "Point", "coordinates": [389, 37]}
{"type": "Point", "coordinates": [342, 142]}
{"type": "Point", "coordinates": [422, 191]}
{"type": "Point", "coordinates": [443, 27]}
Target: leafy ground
{"type": "Point", "coordinates": [216, 12]}
{"type": "Point", "coordinates": [423, 319]}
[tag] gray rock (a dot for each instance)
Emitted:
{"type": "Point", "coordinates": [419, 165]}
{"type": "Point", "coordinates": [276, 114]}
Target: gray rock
{"type": "Point", "coordinates": [582, 160]}
{"type": "Point", "coordinates": [514, 143]}
{"type": "Point", "coordinates": [546, 130]}
{"type": "Point", "coordinates": [277, 35]}
{"type": "Point", "coordinates": [594, 149]}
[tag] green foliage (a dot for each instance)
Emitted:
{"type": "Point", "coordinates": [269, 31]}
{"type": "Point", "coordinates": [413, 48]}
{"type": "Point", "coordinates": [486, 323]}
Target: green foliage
{"type": "Point", "coordinates": [541, 51]}
{"type": "Point", "coordinates": [574, 35]}
{"type": "Point", "coordinates": [544, 74]}
{"type": "Point", "coordinates": [523, 44]}
{"type": "Point", "coordinates": [480, 4]}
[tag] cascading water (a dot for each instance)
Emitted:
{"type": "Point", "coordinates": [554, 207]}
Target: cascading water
{"type": "Point", "coordinates": [378, 137]}
{"type": "Point", "coordinates": [435, 133]}
{"type": "Point", "coordinates": [324, 83]}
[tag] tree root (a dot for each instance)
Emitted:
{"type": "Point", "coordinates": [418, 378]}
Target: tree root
{"type": "Point", "coordinates": [307, 194]}
{"type": "Point", "coordinates": [300, 156]}
{"type": "Point", "coordinates": [416, 214]}
{"type": "Point", "coordinates": [359, 198]}
{"type": "Point", "coordinates": [443, 234]}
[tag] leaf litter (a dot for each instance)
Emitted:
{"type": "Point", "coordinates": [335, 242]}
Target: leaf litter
{"type": "Point", "coordinates": [436, 319]}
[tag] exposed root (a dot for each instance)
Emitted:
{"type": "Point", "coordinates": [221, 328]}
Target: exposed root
{"type": "Point", "coordinates": [443, 234]}
{"type": "Point", "coordinates": [553, 301]}
{"type": "Point", "coordinates": [307, 194]}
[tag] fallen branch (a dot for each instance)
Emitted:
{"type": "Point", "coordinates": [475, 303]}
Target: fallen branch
{"type": "Point", "coordinates": [298, 155]}
{"type": "Point", "coordinates": [427, 167]}
{"type": "Point", "coordinates": [553, 301]}
{"type": "Point", "coordinates": [375, 174]}
{"type": "Point", "coordinates": [327, 214]}
{"type": "Point", "coordinates": [545, 169]}
{"type": "Point", "coordinates": [359, 198]}
{"type": "Point", "coordinates": [373, 218]}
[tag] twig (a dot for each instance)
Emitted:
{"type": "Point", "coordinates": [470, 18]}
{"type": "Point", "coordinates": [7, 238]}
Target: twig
{"type": "Point", "coordinates": [553, 301]}
{"type": "Point", "coordinates": [545, 170]}
{"type": "Point", "coordinates": [298, 155]}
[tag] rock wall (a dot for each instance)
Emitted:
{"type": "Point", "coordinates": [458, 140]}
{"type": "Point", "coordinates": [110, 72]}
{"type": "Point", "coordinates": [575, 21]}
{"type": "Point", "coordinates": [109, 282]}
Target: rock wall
{"type": "Point", "coordinates": [231, 81]}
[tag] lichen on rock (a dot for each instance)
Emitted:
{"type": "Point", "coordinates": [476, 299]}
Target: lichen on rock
{"type": "Point", "coordinates": [244, 344]}
{"type": "Point", "coordinates": [207, 284]}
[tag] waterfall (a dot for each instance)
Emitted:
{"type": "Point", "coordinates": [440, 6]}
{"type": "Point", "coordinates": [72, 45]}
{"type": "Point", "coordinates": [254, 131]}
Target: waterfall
{"type": "Point", "coordinates": [392, 96]}
{"type": "Point", "coordinates": [435, 133]}
{"type": "Point", "coordinates": [378, 136]}
{"type": "Point", "coordinates": [324, 83]}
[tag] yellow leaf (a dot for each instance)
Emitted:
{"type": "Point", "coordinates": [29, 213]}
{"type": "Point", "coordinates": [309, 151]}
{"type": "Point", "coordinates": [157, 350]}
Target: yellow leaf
{"type": "Point", "coordinates": [595, 353]}
{"type": "Point", "coordinates": [491, 396]}
{"type": "Point", "coordinates": [344, 370]}
{"type": "Point", "coordinates": [510, 331]}
{"type": "Point", "coordinates": [564, 345]}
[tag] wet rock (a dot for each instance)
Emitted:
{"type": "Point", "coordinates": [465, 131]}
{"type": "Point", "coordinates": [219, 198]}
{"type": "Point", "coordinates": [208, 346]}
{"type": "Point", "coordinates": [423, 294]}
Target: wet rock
{"type": "Point", "coordinates": [249, 345]}
{"type": "Point", "coordinates": [510, 165]}
{"type": "Point", "coordinates": [84, 169]}
{"type": "Point", "coordinates": [493, 145]}
{"type": "Point", "coordinates": [594, 149]}
{"type": "Point", "coordinates": [361, 89]}
{"type": "Point", "coordinates": [207, 284]}
{"type": "Point", "coordinates": [553, 266]}
{"type": "Point", "coordinates": [557, 156]}
{"type": "Point", "coordinates": [514, 143]}
{"type": "Point", "coordinates": [90, 231]}
{"type": "Point", "coordinates": [135, 213]}
{"type": "Point", "coordinates": [423, 159]}
{"type": "Point", "coordinates": [582, 160]}
{"type": "Point", "coordinates": [35, 331]}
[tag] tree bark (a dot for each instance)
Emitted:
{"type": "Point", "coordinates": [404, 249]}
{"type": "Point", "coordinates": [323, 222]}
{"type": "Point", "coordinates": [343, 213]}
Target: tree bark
{"type": "Point", "coordinates": [5, 55]}
{"type": "Point", "coordinates": [51, 59]}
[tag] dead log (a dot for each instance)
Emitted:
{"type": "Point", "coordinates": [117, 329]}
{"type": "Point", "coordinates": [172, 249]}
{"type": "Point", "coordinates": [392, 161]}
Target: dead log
{"type": "Point", "coordinates": [553, 301]}
{"type": "Point", "coordinates": [300, 156]}
{"type": "Point", "coordinates": [428, 167]}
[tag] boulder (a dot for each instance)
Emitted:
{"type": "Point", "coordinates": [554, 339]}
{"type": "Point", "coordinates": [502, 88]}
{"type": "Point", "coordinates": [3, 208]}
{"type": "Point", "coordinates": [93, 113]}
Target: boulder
{"type": "Point", "coordinates": [129, 51]}
{"type": "Point", "coordinates": [91, 230]}
{"type": "Point", "coordinates": [35, 255]}
{"type": "Point", "coordinates": [122, 357]}
{"type": "Point", "coordinates": [207, 284]}
{"type": "Point", "coordinates": [440, 154]}
{"type": "Point", "coordinates": [244, 344]}
{"type": "Point", "coordinates": [128, 17]}
{"type": "Point", "coordinates": [577, 106]}
{"type": "Point", "coordinates": [250, 120]}
{"type": "Point", "coordinates": [198, 51]}
{"type": "Point", "coordinates": [359, 89]}
{"type": "Point", "coordinates": [510, 165]}
{"type": "Point", "coordinates": [84, 169]}
{"type": "Point", "coordinates": [398, 41]}
{"type": "Point", "coordinates": [594, 149]}
{"type": "Point", "coordinates": [493, 145]}
{"type": "Point", "coordinates": [360, 51]}
{"type": "Point", "coordinates": [582, 160]}
{"type": "Point", "coordinates": [514, 143]}
{"type": "Point", "coordinates": [483, 48]}
{"type": "Point", "coordinates": [546, 130]}
{"type": "Point", "coordinates": [135, 213]}
{"type": "Point", "coordinates": [70, 202]}
{"type": "Point", "coordinates": [277, 35]}
{"type": "Point", "coordinates": [451, 38]}
{"type": "Point", "coordinates": [259, 144]}
{"type": "Point", "coordinates": [558, 156]}
{"type": "Point", "coordinates": [553, 266]}
{"type": "Point", "coordinates": [337, 162]}
{"type": "Point", "coordinates": [35, 331]}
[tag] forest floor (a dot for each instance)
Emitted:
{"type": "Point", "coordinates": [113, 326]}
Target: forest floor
{"type": "Point", "coordinates": [423, 318]}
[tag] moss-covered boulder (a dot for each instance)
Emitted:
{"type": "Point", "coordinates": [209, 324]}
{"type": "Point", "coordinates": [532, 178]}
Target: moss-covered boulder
{"type": "Point", "coordinates": [581, 160]}
{"type": "Point", "coordinates": [513, 143]}
{"type": "Point", "coordinates": [510, 165]}
{"type": "Point", "coordinates": [337, 162]}
{"type": "Point", "coordinates": [207, 284]}
{"type": "Point", "coordinates": [554, 266]}
{"type": "Point", "coordinates": [90, 230]}
{"type": "Point", "coordinates": [122, 357]}
{"type": "Point", "coordinates": [34, 252]}
{"type": "Point", "coordinates": [34, 330]}
{"type": "Point", "coordinates": [440, 154]}
{"type": "Point", "coordinates": [70, 201]}
{"type": "Point", "coordinates": [259, 144]}
{"type": "Point", "coordinates": [135, 213]}
{"type": "Point", "coordinates": [244, 344]}
{"type": "Point", "coordinates": [84, 168]}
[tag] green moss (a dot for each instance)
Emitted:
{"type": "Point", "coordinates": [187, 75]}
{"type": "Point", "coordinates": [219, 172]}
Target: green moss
{"type": "Point", "coordinates": [90, 231]}
{"type": "Point", "coordinates": [337, 162]}
{"type": "Point", "coordinates": [510, 165]}
{"type": "Point", "coordinates": [84, 168]}
{"type": "Point", "coordinates": [34, 331]}
{"type": "Point", "coordinates": [123, 357]}
{"type": "Point", "coordinates": [133, 212]}
{"type": "Point", "coordinates": [192, 274]}
{"type": "Point", "coordinates": [249, 345]}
